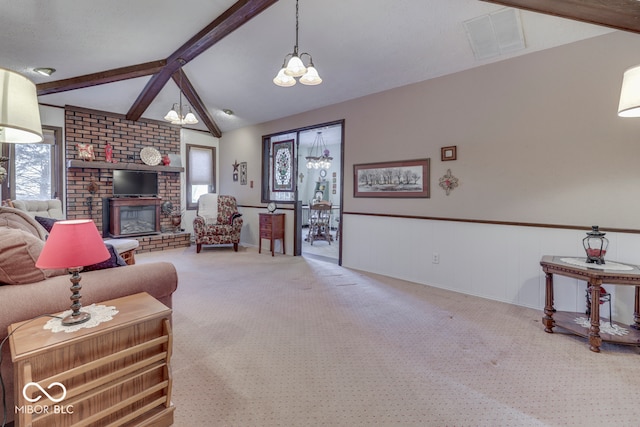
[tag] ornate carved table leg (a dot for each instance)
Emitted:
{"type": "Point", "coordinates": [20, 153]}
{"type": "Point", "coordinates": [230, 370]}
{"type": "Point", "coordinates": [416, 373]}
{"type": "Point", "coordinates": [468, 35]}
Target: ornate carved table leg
{"type": "Point", "coordinates": [594, 331]}
{"type": "Point", "coordinates": [547, 320]}
{"type": "Point", "coordinates": [636, 310]}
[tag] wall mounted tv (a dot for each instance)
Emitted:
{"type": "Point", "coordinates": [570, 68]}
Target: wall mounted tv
{"type": "Point", "coordinates": [134, 183]}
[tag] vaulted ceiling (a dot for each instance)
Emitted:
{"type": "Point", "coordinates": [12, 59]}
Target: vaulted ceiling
{"type": "Point", "coordinates": [129, 57]}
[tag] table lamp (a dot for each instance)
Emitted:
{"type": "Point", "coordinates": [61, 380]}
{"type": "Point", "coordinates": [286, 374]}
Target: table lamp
{"type": "Point", "coordinates": [73, 244]}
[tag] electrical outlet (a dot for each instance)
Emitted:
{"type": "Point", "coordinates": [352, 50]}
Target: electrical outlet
{"type": "Point", "coordinates": [436, 258]}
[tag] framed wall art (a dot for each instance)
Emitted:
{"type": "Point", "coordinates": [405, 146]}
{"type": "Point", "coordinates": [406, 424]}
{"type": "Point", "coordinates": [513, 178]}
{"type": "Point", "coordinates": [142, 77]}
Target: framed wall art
{"type": "Point", "coordinates": [401, 179]}
{"type": "Point", "coordinates": [449, 153]}
{"type": "Point", "coordinates": [243, 173]}
{"type": "Point", "coordinates": [283, 173]}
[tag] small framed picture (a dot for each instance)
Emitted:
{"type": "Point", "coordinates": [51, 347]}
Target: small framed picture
{"type": "Point", "coordinates": [448, 153]}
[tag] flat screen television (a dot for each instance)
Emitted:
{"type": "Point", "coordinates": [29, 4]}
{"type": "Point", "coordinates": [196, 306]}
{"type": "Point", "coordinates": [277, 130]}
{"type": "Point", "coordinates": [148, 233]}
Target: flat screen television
{"type": "Point", "coordinates": [134, 183]}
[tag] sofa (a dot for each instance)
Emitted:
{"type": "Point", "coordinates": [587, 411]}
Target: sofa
{"type": "Point", "coordinates": [50, 294]}
{"type": "Point", "coordinates": [217, 221]}
{"type": "Point", "coordinates": [48, 211]}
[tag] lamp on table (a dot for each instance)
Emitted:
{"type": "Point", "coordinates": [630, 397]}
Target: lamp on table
{"type": "Point", "coordinates": [73, 244]}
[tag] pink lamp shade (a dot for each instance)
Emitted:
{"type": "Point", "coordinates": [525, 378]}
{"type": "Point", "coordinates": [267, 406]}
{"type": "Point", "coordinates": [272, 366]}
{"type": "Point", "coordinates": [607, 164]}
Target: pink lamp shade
{"type": "Point", "coordinates": [73, 243]}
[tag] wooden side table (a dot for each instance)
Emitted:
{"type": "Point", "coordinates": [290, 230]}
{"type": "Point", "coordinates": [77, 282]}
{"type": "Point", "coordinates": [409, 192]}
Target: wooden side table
{"type": "Point", "coordinates": [595, 278]}
{"type": "Point", "coordinates": [116, 373]}
{"type": "Point", "coordinates": [272, 228]}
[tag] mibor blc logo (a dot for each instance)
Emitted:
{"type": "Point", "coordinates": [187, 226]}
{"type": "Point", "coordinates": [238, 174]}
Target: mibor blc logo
{"type": "Point", "coordinates": [55, 388]}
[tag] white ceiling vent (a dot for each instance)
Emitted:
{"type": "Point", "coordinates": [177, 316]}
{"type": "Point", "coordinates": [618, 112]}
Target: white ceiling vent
{"type": "Point", "coordinates": [495, 34]}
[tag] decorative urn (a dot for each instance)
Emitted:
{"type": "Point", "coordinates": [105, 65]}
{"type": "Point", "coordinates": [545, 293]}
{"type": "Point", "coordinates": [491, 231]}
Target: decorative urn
{"type": "Point", "coordinates": [595, 245]}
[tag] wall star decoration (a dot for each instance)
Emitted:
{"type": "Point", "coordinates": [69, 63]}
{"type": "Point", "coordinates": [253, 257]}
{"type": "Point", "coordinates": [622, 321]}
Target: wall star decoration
{"type": "Point", "coordinates": [235, 171]}
{"type": "Point", "coordinates": [448, 182]}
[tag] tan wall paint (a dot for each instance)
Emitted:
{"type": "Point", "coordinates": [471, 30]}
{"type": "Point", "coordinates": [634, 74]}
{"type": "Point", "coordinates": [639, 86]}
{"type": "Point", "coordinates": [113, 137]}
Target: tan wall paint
{"type": "Point", "coordinates": [538, 139]}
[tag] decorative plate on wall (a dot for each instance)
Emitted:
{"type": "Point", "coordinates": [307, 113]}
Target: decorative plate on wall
{"type": "Point", "coordinates": [150, 156]}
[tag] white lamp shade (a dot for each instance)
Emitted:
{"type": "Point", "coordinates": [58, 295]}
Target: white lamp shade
{"type": "Point", "coordinates": [630, 94]}
{"type": "Point", "coordinates": [283, 80]}
{"type": "Point", "coordinates": [190, 118]}
{"type": "Point", "coordinates": [172, 116]}
{"type": "Point", "coordinates": [295, 67]}
{"type": "Point", "coordinates": [19, 112]}
{"type": "Point", "coordinates": [311, 78]}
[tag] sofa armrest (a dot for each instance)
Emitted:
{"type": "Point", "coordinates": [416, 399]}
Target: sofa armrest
{"type": "Point", "coordinates": [23, 302]}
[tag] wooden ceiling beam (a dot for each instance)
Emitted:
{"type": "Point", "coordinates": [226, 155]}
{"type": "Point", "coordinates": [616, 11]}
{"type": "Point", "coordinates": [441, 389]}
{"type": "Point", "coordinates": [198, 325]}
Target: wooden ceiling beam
{"type": "Point", "coordinates": [180, 78]}
{"type": "Point", "coordinates": [233, 18]}
{"type": "Point", "coordinates": [102, 77]}
{"type": "Point", "coordinates": [619, 14]}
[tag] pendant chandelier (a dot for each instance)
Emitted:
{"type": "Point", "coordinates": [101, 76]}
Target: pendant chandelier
{"type": "Point", "coordinates": [177, 114]}
{"type": "Point", "coordinates": [318, 157]}
{"type": "Point", "coordinates": [296, 68]}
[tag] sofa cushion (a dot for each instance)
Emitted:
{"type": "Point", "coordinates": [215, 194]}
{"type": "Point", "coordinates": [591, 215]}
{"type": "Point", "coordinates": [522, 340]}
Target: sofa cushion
{"type": "Point", "coordinates": [115, 260]}
{"type": "Point", "coordinates": [15, 218]}
{"type": "Point", "coordinates": [20, 251]}
{"type": "Point", "coordinates": [47, 223]}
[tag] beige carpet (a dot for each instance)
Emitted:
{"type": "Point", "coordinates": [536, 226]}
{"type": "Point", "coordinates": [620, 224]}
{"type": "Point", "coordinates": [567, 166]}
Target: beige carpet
{"type": "Point", "coordinates": [286, 341]}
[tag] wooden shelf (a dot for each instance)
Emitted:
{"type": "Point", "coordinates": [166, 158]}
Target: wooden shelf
{"type": "Point", "coordinates": [566, 320]}
{"type": "Point", "coordinates": [82, 164]}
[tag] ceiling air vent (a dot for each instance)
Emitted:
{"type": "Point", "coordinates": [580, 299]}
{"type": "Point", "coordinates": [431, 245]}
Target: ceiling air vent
{"type": "Point", "coordinates": [495, 34]}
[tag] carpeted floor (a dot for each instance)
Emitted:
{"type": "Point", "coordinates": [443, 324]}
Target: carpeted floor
{"type": "Point", "coordinates": [289, 341]}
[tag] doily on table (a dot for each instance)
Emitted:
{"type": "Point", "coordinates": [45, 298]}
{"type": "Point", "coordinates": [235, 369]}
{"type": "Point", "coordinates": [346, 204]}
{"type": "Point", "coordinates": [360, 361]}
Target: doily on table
{"type": "Point", "coordinates": [581, 262]}
{"type": "Point", "coordinates": [605, 327]}
{"type": "Point", "coordinates": [99, 314]}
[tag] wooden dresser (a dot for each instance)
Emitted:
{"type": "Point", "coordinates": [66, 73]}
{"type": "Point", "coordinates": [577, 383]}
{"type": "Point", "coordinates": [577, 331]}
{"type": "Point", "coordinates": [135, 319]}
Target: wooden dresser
{"type": "Point", "coordinates": [272, 228]}
{"type": "Point", "coordinates": [116, 373]}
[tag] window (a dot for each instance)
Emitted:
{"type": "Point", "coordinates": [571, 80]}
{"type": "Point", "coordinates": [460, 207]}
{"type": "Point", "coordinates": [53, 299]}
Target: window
{"type": "Point", "coordinates": [35, 170]}
{"type": "Point", "coordinates": [200, 172]}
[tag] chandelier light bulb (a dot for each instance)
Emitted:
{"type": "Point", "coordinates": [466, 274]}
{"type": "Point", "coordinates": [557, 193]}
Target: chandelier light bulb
{"type": "Point", "coordinates": [284, 80]}
{"type": "Point", "coordinates": [311, 78]}
{"type": "Point", "coordinates": [295, 67]}
{"type": "Point", "coordinates": [190, 118]}
{"type": "Point", "coordinates": [172, 115]}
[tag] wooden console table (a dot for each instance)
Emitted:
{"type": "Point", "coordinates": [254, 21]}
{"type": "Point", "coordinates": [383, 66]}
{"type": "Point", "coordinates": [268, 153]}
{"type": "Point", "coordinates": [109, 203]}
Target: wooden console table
{"type": "Point", "coordinates": [272, 228]}
{"type": "Point", "coordinates": [116, 373]}
{"type": "Point", "coordinates": [595, 278]}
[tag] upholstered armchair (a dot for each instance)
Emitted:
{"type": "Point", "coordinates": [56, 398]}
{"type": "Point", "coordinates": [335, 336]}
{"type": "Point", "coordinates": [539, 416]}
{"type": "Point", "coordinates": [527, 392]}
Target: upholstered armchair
{"type": "Point", "coordinates": [217, 221]}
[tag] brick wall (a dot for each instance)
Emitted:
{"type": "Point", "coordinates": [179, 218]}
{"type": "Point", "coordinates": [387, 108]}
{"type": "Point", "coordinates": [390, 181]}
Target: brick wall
{"type": "Point", "coordinates": [127, 139]}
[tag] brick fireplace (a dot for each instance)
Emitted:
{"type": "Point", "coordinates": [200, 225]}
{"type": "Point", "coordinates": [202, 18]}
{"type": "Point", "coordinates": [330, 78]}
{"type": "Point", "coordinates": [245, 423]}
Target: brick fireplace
{"type": "Point", "coordinates": [89, 184]}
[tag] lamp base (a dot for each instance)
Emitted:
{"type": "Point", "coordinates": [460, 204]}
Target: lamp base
{"type": "Point", "coordinates": [76, 319]}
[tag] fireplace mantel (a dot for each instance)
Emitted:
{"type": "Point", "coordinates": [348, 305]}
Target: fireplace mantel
{"type": "Point", "coordinates": [83, 164]}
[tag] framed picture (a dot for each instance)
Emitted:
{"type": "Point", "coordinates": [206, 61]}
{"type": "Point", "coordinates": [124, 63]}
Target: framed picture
{"type": "Point", "coordinates": [282, 173]}
{"type": "Point", "coordinates": [401, 179]}
{"type": "Point", "coordinates": [448, 153]}
{"type": "Point", "coordinates": [243, 173]}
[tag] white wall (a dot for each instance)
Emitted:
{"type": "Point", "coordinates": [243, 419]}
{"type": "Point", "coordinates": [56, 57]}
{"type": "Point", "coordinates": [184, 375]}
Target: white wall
{"type": "Point", "coordinates": [498, 262]}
